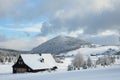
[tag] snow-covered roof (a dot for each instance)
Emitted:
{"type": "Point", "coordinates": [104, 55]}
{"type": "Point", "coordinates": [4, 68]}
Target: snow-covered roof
{"type": "Point", "coordinates": [33, 61]}
{"type": "Point", "coordinates": [48, 58]}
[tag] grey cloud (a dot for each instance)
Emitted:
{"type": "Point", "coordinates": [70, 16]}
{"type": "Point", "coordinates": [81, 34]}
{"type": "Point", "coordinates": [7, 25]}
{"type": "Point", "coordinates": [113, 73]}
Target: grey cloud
{"type": "Point", "coordinates": [65, 15]}
{"type": "Point", "coordinates": [105, 21]}
{"type": "Point", "coordinates": [102, 40]}
{"type": "Point", "coordinates": [106, 40]}
{"type": "Point", "coordinates": [18, 10]}
{"type": "Point", "coordinates": [8, 8]}
{"type": "Point", "coordinates": [85, 18]}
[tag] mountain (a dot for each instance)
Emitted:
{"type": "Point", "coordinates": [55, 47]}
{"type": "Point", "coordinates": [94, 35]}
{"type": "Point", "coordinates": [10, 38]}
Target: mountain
{"type": "Point", "coordinates": [60, 44]}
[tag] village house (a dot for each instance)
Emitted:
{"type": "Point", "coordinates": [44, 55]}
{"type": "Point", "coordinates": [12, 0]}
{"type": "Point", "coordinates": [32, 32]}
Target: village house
{"type": "Point", "coordinates": [34, 63]}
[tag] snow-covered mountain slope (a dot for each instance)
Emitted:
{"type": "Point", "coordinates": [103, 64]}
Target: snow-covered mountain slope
{"type": "Point", "coordinates": [61, 44]}
{"type": "Point", "coordinates": [94, 51]}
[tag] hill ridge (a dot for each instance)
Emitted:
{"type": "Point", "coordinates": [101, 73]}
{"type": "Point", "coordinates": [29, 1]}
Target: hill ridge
{"type": "Point", "coordinates": [60, 44]}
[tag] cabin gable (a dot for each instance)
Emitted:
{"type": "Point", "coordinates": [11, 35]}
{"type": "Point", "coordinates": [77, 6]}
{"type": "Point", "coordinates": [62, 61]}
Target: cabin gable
{"type": "Point", "coordinates": [20, 66]}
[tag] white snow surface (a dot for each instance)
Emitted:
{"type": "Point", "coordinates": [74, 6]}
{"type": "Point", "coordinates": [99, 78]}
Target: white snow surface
{"type": "Point", "coordinates": [89, 51]}
{"type": "Point", "coordinates": [48, 58]}
{"type": "Point", "coordinates": [33, 61]}
{"type": "Point", "coordinates": [112, 73]}
{"type": "Point", "coordinates": [5, 69]}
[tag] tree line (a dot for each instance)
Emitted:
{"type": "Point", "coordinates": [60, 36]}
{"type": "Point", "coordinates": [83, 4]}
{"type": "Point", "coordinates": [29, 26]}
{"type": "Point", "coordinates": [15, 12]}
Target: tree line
{"type": "Point", "coordinates": [79, 62]}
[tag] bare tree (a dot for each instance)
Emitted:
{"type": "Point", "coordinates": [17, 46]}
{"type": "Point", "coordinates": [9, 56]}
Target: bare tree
{"type": "Point", "coordinates": [89, 62]}
{"type": "Point", "coordinates": [78, 61]}
{"type": "Point", "coordinates": [107, 60]}
{"type": "Point", "coordinates": [113, 59]}
{"type": "Point", "coordinates": [98, 61]}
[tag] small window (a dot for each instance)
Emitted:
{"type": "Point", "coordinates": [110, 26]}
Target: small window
{"type": "Point", "coordinates": [42, 60]}
{"type": "Point", "coordinates": [20, 62]}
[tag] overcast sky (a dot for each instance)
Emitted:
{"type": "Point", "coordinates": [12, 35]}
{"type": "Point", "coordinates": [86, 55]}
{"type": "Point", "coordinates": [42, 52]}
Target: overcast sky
{"type": "Point", "coordinates": [25, 24]}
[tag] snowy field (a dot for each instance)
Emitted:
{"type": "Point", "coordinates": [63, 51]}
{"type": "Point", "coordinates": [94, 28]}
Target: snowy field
{"type": "Point", "coordinates": [102, 73]}
{"type": "Point", "coordinates": [109, 73]}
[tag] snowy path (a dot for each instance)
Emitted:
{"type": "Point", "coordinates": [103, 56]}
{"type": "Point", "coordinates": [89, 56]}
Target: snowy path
{"type": "Point", "coordinates": [97, 74]}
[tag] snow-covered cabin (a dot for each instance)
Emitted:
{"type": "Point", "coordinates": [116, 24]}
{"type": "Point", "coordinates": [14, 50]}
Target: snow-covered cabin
{"type": "Point", "coordinates": [34, 63]}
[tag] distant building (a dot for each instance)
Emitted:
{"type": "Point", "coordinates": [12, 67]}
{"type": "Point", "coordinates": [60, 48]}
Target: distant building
{"type": "Point", "coordinates": [34, 63]}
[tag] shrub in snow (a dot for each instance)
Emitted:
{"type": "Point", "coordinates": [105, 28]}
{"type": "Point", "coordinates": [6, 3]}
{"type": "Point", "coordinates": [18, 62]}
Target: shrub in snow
{"type": "Point", "coordinates": [118, 57]}
{"type": "Point", "coordinates": [98, 61]}
{"type": "Point", "coordinates": [105, 60]}
{"type": "Point", "coordinates": [113, 59]}
{"type": "Point", "coordinates": [78, 61]}
{"type": "Point", "coordinates": [1, 59]}
{"type": "Point", "coordinates": [49, 70]}
{"type": "Point", "coordinates": [70, 67]}
{"type": "Point", "coordinates": [85, 65]}
{"type": "Point", "coordinates": [89, 62]}
{"type": "Point", "coordinates": [9, 59]}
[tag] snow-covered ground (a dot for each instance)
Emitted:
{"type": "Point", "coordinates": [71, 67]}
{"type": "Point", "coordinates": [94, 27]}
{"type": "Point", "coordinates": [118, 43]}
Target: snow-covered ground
{"type": "Point", "coordinates": [89, 51]}
{"type": "Point", "coordinates": [101, 73]}
{"type": "Point", "coordinates": [109, 73]}
{"type": "Point", "coordinates": [5, 69]}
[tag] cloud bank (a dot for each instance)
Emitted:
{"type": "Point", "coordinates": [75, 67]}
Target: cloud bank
{"type": "Point", "coordinates": [86, 18]}
{"type": "Point", "coordinates": [93, 16]}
